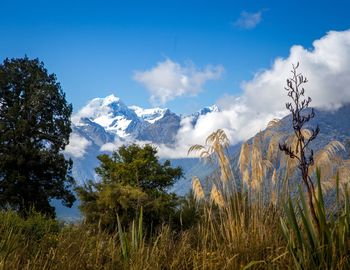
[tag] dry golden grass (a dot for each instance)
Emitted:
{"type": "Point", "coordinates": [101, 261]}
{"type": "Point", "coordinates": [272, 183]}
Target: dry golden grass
{"type": "Point", "coordinates": [197, 189]}
{"type": "Point", "coordinates": [216, 197]}
{"type": "Point", "coordinates": [259, 168]}
{"type": "Point", "coordinates": [238, 229]}
{"type": "Point", "coordinates": [217, 242]}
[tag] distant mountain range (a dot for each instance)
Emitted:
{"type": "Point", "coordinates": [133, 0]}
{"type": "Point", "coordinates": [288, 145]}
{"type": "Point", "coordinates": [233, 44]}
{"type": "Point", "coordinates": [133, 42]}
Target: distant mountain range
{"type": "Point", "coordinates": [105, 123]}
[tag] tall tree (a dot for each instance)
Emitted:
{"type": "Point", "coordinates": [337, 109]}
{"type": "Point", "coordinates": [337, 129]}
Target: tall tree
{"type": "Point", "coordinates": [34, 130]}
{"type": "Point", "coordinates": [131, 178]}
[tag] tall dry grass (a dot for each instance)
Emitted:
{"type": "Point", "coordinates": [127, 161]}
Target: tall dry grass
{"type": "Point", "coordinates": [239, 217]}
{"type": "Point", "coordinates": [239, 225]}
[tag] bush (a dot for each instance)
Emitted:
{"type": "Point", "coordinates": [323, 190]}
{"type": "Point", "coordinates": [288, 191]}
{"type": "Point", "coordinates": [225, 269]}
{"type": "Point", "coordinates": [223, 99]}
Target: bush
{"type": "Point", "coordinates": [35, 227]}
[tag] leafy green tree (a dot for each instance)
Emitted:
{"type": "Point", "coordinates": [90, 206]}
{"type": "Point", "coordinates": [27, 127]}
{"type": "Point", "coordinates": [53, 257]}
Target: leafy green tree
{"type": "Point", "coordinates": [131, 178]}
{"type": "Point", "coordinates": [34, 130]}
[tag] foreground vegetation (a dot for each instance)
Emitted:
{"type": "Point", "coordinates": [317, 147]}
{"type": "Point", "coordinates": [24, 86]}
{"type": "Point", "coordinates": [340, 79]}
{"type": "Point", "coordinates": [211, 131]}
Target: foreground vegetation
{"type": "Point", "coordinates": [255, 236]}
{"type": "Point", "coordinates": [236, 225]}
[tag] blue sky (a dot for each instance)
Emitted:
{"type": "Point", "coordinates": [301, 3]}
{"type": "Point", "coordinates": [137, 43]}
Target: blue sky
{"type": "Point", "coordinates": [95, 47]}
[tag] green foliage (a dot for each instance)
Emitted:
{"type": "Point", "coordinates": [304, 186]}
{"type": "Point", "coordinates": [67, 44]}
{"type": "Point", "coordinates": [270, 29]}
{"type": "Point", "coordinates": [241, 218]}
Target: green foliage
{"type": "Point", "coordinates": [25, 236]}
{"type": "Point", "coordinates": [132, 177]}
{"type": "Point", "coordinates": [131, 245]}
{"type": "Point", "coordinates": [313, 248]}
{"type": "Point", "coordinates": [34, 129]}
{"type": "Point", "coordinates": [189, 213]}
{"type": "Point", "coordinates": [35, 227]}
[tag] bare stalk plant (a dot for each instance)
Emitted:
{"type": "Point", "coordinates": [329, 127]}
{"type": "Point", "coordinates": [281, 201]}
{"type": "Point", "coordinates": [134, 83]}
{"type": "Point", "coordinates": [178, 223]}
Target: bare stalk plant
{"type": "Point", "coordinates": [300, 116]}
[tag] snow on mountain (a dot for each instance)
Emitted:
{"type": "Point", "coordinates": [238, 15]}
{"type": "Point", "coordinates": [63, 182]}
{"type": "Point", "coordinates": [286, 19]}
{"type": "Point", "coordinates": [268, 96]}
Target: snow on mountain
{"type": "Point", "coordinates": [150, 115]}
{"type": "Point", "coordinates": [203, 111]}
{"type": "Point", "coordinates": [110, 113]}
{"type": "Point", "coordinates": [105, 123]}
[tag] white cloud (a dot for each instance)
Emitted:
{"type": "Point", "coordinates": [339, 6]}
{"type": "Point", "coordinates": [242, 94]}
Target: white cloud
{"type": "Point", "coordinates": [109, 147]}
{"type": "Point", "coordinates": [168, 80]}
{"type": "Point", "coordinates": [118, 142]}
{"type": "Point", "coordinates": [77, 146]}
{"type": "Point", "coordinates": [327, 67]}
{"type": "Point", "coordinates": [248, 20]}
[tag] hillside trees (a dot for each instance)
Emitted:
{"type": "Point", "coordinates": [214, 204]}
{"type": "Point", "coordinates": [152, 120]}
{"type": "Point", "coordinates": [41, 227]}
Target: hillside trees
{"type": "Point", "coordinates": [131, 178]}
{"type": "Point", "coordinates": [34, 130]}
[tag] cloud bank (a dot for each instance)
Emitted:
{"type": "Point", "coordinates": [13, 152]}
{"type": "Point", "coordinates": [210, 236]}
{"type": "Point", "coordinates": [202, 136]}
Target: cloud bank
{"type": "Point", "coordinates": [168, 80]}
{"type": "Point", "coordinates": [327, 67]}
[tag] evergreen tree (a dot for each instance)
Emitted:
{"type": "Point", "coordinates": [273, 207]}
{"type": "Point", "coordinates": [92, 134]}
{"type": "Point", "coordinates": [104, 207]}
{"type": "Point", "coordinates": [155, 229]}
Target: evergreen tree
{"type": "Point", "coordinates": [34, 130]}
{"type": "Point", "coordinates": [131, 178]}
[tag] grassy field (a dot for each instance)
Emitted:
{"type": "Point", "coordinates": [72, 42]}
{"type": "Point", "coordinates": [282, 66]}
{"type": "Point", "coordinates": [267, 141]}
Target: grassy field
{"type": "Point", "coordinates": [237, 225]}
{"type": "Point", "coordinates": [235, 232]}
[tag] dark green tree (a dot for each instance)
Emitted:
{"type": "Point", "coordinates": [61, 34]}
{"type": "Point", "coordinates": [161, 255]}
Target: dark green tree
{"type": "Point", "coordinates": [34, 130]}
{"type": "Point", "coordinates": [131, 178]}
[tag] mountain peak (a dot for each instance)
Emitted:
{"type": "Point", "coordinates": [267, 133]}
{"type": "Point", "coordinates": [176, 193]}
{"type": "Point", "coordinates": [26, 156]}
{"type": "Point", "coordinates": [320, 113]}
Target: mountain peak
{"type": "Point", "coordinates": [109, 112]}
{"type": "Point", "coordinates": [110, 99]}
{"type": "Point", "coordinates": [205, 110]}
{"type": "Point", "coordinates": [212, 108]}
{"type": "Point", "coordinates": [150, 115]}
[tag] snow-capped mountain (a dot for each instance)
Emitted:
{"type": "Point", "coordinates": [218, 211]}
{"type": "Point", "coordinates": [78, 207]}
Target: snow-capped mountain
{"type": "Point", "coordinates": [149, 115]}
{"type": "Point", "coordinates": [106, 123]}
{"type": "Point", "coordinates": [204, 111]}
{"type": "Point", "coordinates": [110, 113]}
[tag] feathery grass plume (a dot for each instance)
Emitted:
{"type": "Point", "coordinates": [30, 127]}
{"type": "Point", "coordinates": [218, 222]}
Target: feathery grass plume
{"type": "Point", "coordinates": [203, 152]}
{"type": "Point", "coordinates": [218, 137]}
{"type": "Point", "coordinates": [274, 177]}
{"type": "Point", "coordinates": [344, 174]}
{"type": "Point", "coordinates": [273, 149]}
{"type": "Point", "coordinates": [328, 153]}
{"type": "Point", "coordinates": [251, 158]}
{"type": "Point", "coordinates": [216, 197]}
{"type": "Point", "coordinates": [328, 159]}
{"type": "Point", "coordinates": [273, 123]}
{"type": "Point", "coordinates": [218, 141]}
{"type": "Point", "coordinates": [267, 165]}
{"type": "Point", "coordinates": [255, 184]}
{"type": "Point", "coordinates": [274, 187]}
{"type": "Point", "coordinates": [225, 169]}
{"type": "Point", "coordinates": [246, 177]}
{"type": "Point", "coordinates": [244, 157]}
{"type": "Point", "coordinates": [257, 162]}
{"type": "Point", "coordinates": [269, 132]}
{"type": "Point", "coordinates": [215, 146]}
{"type": "Point", "coordinates": [197, 189]}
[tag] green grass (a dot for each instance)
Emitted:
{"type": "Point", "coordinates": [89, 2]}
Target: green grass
{"type": "Point", "coordinates": [214, 242]}
{"type": "Point", "coordinates": [323, 246]}
{"type": "Point", "coordinates": [244, 234]}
